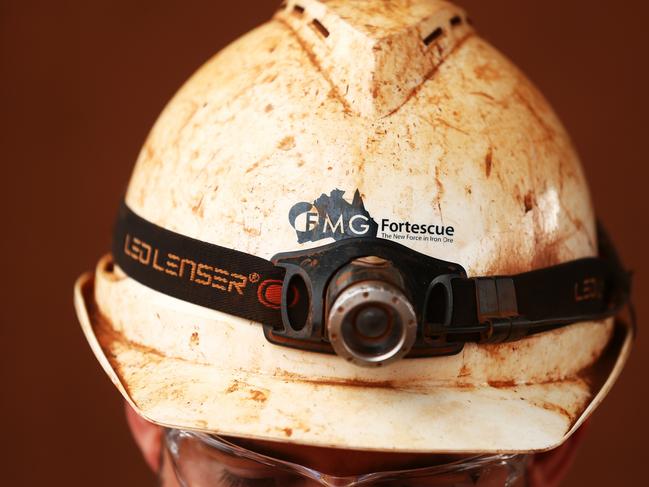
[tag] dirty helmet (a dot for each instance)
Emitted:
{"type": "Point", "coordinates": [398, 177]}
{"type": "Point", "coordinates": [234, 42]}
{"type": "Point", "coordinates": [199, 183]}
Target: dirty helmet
{"type": "Point", "coordinates": [360, 226]}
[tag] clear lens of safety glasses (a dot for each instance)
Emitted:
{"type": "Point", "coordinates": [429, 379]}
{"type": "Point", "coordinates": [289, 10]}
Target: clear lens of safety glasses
{"type": "Point", "coordinates": [202, 460]}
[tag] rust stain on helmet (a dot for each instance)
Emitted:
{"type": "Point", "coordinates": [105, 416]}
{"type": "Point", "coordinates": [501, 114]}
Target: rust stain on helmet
{"type": "Point", "coordinates": [339, 382]}
{"type": "Point", "coordinates": [501, 383]}
{"type": "Point", "coordinates": [287, 143]}
{"type": "Point", "coordinates": [258, 396]}
{"type": "Point", "coordinates": [488, 162]}
{"type": "Point", "coordinates": [528, 201]}
{"type": "Point", "coordinates": [557, 409]}
{"type": "Point", "coordinates": [487, 72]}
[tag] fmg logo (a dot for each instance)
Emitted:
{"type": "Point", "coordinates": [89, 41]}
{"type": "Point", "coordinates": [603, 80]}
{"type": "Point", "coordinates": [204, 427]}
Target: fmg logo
{"type": "Point", "coordinates": [332, 217]}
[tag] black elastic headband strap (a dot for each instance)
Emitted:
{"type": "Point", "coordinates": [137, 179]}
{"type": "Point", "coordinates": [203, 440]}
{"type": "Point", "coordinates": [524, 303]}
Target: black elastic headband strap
{"type": "Point", "coordinates": [249, 287]}
{"type": "Point", "coordinates": [209, 275]}
{"type": "Point", "coordinates": [581, 290]}
{"type": "Point", "coordinates": [585, 289]}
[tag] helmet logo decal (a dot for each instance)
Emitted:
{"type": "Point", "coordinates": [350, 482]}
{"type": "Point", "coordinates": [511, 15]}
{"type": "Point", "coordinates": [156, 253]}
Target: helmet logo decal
{"type": "Point", "coordinates": [332, 217]}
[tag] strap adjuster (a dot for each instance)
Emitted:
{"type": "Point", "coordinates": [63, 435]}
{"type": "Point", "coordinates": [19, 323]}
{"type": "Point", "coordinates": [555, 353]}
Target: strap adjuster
{"type": "Point", "coordinates": [495, 298]}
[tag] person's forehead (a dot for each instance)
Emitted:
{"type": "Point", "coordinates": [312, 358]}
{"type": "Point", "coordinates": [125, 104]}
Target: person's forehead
{"type": "Point", "coordinates": [342, 461]}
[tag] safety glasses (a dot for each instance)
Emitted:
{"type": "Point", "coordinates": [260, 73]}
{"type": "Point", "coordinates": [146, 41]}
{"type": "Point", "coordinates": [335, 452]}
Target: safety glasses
{"type": "Point", "coordinates": [202, 460]}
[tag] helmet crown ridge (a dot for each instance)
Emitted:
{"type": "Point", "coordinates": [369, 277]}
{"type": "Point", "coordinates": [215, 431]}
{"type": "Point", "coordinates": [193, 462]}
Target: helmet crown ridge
{"type": "Point", "coordinates": [376, 54]}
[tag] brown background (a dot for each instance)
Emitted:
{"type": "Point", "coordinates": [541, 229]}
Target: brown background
{"type": "Point", "coordinates": [81, 83]}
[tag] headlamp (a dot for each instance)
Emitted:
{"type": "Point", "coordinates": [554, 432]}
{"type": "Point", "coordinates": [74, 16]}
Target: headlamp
{"type": "Point", "coordinates": [371, 301]}
{"type": "Point", "coordinates": [365, 299]}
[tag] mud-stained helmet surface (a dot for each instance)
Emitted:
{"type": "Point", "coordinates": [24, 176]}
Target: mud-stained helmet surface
{"type": "Point", "coordinates": [360, 226]}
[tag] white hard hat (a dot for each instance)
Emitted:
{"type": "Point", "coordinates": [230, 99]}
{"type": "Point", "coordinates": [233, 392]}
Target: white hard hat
{"type": "Point", "coordinates": [385, 135]}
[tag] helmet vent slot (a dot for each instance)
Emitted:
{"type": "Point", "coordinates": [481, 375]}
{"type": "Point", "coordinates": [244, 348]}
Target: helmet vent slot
{"type": "Point", "coordinates": [433, 35]}
{"type": "Point", "coordinates": [455, 21]}
{"type": "Point", "coordinates": [298, 10]}
{"type": "Point", "coordinates": [320, 28]}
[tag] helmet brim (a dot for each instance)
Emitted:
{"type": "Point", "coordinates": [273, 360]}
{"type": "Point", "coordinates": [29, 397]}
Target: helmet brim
{"type": "Point", "coordinates": [455, 417]}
